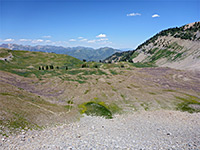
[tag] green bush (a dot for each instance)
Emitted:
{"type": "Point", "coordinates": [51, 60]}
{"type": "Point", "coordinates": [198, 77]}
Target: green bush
{"type": "Point", "coordinates": [96, 109]}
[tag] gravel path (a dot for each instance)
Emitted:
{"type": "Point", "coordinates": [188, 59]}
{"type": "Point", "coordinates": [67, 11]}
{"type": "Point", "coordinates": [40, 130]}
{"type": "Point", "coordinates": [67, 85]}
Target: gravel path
{"type": "Point", "coordinates": [141, 130]}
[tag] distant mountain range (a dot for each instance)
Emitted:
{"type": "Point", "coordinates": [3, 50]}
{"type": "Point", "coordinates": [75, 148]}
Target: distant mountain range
{"type": "Point", "coordinates": [177, 47]}
{"type": "Point", "coordinates": [91, 54]}
{"type": "Point", "coordinates": [79, 52]}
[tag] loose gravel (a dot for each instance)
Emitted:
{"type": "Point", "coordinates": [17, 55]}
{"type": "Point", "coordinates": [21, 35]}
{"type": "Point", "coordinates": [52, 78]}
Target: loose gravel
{"type": "Point", "coordinates": [146, 130]}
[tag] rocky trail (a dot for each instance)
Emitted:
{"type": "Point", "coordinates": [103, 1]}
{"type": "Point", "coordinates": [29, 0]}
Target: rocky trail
{"type": "Point", "coordinates": [161, 129]}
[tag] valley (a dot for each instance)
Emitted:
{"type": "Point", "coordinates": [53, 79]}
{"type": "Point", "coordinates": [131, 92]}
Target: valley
{"type": "Point", "coordinates": [45, 93]}
{"type": "Point", "coordinates": [33, 98]}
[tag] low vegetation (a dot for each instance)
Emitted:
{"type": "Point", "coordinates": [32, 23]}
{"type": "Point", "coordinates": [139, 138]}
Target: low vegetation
{"type": "Point", "coordinates": [144, 65]}
{"type": "Point", "coordinates": [190, 104]}
{"type": "Point", "coordinates": [96, 109]}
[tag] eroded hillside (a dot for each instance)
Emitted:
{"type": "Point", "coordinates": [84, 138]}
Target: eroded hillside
{"type": "Point", "coordinates": [175, 47]}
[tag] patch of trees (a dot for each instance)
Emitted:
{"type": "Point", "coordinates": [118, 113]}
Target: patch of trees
{"type": "Point", "coordinates": [126, 56]}
{"type": "Point", "coordinates": [50, 67]}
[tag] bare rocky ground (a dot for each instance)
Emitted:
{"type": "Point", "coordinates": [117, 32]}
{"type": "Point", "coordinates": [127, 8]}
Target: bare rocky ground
{"type": "Point", "coordinates": [147, 130]}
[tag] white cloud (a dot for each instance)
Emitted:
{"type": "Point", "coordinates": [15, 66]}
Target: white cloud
{"type": "Point", "coordinates": [8, 40]}
{"type": "Point", "coordinates": [106, 42]}
{"type": "Point", "coordinates": [46, 36]}
{"type": "Point", "coordinates": [155, 15]}
{"type": "Point", "coordinates": [105, 39]}
{"type": "Point", "coordinates": [82, 40]}
{"type": "Point", "coordinates": [37, 41]}
{"type": "Point", "coordinates": [24, 40]}
{"type": "Point", "coordinates": [133, 14]}
{"type": "Point", "coordinates": [91, 41]}
{"type": "Point", "coordinates": [80, 37]}
{"type": "Point", "coordinates": [72, 40]}
{"type": "Point", "coordinates": [101, 36]}
{"type": "Point", "coordinates": [48, 41]}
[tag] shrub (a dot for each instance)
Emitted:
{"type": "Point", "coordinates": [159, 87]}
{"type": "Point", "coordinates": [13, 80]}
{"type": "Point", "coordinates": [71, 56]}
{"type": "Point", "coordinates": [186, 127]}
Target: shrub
{"type": "Point", "coordinates": [130, 60]}
{"type": "Point", "coordinates": [96, 109]}
{"type": "Point", "coordinates": [83, 65]}
{"type": "Point", "coordinates": [51, 67]}
{"type": "Point", "coordinates": [95, 66]}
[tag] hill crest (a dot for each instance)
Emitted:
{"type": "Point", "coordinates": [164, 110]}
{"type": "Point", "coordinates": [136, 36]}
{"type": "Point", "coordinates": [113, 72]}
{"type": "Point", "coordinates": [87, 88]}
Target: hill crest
{"type": "Point", "coordinates": [174, 47]}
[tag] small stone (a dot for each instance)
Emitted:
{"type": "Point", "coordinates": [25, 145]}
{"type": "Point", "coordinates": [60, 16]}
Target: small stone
{"type": "Point", "coordinates": [23, 138]}
{"type": "Point", "coordinates": [78, 136]}
{"type": "Point", "coordinates": [69, 148]}
{"type": "Point", "coordinates": [23, 133]}
{"type": "Point", "coordinates": [168, 133]}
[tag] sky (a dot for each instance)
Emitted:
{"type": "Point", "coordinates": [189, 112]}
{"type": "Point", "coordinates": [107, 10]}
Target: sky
{"type": "Point", "coordinates": [119, 24]}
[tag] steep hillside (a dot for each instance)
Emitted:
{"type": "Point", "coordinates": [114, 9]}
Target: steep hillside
{"type": "Point", "coordinates": [118, 56]}
{"type": "Point", "coordinates": [175, 47]}
{"type": "Point", "coordinates": [79, 52]}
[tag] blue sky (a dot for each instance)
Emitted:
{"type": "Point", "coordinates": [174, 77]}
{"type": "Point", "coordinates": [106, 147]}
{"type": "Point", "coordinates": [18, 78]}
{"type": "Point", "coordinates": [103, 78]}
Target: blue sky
{"type": "Point", "coordinates": [92, 23]}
